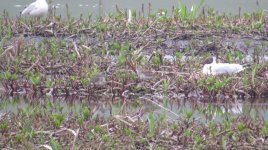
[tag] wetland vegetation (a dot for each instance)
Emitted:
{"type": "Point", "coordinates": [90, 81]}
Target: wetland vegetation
{"type": "Point", "coordinates": [105, 61]}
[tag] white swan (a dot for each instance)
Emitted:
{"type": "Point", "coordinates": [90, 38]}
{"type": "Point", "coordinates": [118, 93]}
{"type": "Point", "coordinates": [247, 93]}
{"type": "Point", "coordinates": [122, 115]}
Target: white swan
{"type": "Point", "coordinates": [221, 68]}
{"type": "Point", "coordinates": [38, 8]}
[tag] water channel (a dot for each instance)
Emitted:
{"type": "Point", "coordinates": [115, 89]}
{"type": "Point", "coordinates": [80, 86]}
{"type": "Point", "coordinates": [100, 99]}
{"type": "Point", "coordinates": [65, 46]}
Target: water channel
{"type": "Point", "coordinates": [216, 111]}
{"type": "Point", "coordinates": [104, 7]}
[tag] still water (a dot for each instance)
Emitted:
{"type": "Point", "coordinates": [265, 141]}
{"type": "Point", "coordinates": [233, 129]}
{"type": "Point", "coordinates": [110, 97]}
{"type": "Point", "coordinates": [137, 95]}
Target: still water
{"type": "Point", "coordinates": [202, 112]}
{"type": "Point", "coordinates": [77, 7]}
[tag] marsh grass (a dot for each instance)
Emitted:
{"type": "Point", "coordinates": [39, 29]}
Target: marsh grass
{"type": "Point", "coordinates": [59, 57]}
{"type": "Point", "coordinates": [70, 64]}
{"type": "Point", "coordinates": [46, 124]}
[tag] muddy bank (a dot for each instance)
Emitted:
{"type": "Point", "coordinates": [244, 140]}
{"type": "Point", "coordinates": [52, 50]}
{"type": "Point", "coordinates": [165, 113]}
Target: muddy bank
{"type": "Point", "coordinates": [109, 56]}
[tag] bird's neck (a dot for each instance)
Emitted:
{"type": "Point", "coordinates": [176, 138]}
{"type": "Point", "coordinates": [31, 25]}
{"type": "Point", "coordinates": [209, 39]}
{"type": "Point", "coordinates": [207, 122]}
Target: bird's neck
{"type": "Point", "coordinates": [214, 60]}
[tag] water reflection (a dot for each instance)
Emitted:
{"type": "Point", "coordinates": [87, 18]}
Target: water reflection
{"type": "Point", "coordinates": [203, 112]}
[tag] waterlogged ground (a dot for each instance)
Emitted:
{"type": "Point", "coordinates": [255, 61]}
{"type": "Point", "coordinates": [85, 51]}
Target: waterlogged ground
{"type": "Point", "coordinates": [47, 122]}
{"type": "Point", "coordinates": [107, 108]}
{"type": "Point", "coordinates": [76, 83]}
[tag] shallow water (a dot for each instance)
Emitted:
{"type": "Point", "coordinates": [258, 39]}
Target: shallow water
{"type": "Point", "coordinates": [203, 112]}
{"type": "Point", "coordinates": [78, 7]}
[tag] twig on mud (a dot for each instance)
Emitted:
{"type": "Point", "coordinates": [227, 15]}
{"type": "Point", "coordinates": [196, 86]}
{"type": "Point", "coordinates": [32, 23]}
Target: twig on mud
{"type": "Point", "coordinates": [75, 133]}
{"type": "Point", "coordinates": [124, 93]}
{"type": "Point", "coordinates": [76, 50]}
{"type": "Point", "coordinates": [137, 52]}
{"type": "Point", "coordinates": [123, 107]}
{"type": "Point", "coordinates": [157, 83]}
{"type": "Point", "coordinates": [46, 146]}
{"type": "Point", "coordinates": [175, 73]}
{"type": "Point", "coordinates": [75, 137]}
{"type": "Point", "coordinates": [25, 26]}
{"type": "Point", "coordinates": [119, 118]}
{"type": "Point", "coordinates": [51, 132]}
{"type": "Point", "coordinates": [150, 26]}
{"type": "Point", "coordinates": [115, 82]}
{"type": "Point", "coordinates": [4, 116]}
{"type": "Point", "coordinates": [131, 84]}
{"type": "Point", "coordinates": [223, 132]}
{"type": "Point", "coordinates": [6, 50]}
{"type": "Point", "coordinates": [158, 30]}
{"type": "Point", "coordinates": [131, 119]}
{"type": "Point", "coordinates": [86, 47]}
{"type": "Point", "coordinates": [100, 145]}
{"type": "Point", "coordinates": [166, 109]}
{"type": "Point", "coordinates": [35, 63]}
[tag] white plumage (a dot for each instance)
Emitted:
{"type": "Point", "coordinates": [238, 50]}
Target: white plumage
{"type": "Point", "coordinates": [38, 8]}
{"type": "Point", "coordinates": [129, 20]}
{"type": "Point", "coordinates": [221, 68]}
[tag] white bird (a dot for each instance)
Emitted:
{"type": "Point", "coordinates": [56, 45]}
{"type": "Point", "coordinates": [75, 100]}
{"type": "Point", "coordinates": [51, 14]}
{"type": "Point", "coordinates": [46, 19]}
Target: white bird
{"type": "Point", "coordinates": [37, 9]}
{"type": "Point", "coordinates": [221, 68]}
{"type": "Point", "coordinates": [129, 20]}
